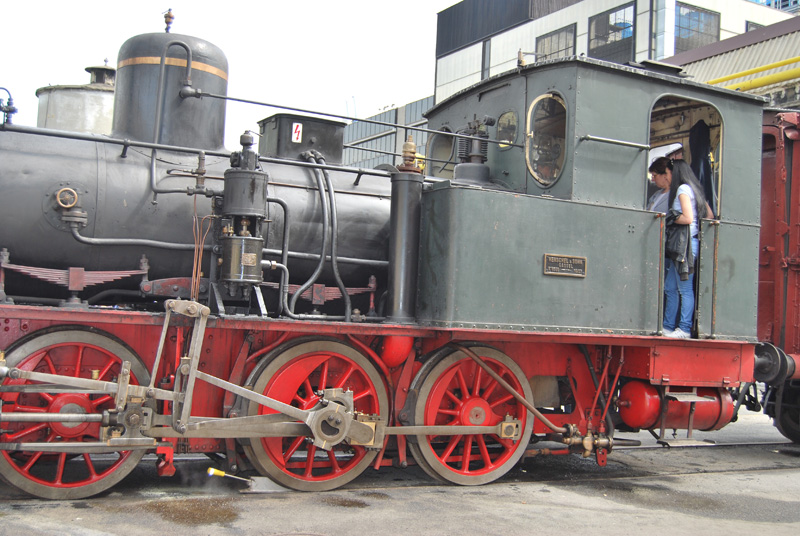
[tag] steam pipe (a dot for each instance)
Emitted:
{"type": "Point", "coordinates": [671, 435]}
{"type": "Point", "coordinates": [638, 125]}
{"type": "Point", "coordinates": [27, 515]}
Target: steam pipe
{"type": "Point", "coordinates": [325, 226]}
{"type": "Point", "coordinates": [335, 240]}
{"type": "Point", "coordinates": [160, 113]}
{"type": "Point", "coordinates": [315, 256]}
{"type": "Point", "coordinates": [285, 244]}
{"type": "Point", "coordinates": [130, 241]}
{"type": "Point", "coordinates": [284, 292]}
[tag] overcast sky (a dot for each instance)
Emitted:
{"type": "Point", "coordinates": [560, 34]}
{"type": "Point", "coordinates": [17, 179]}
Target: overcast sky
{"type": "Point", "coordinates": [351, 57]}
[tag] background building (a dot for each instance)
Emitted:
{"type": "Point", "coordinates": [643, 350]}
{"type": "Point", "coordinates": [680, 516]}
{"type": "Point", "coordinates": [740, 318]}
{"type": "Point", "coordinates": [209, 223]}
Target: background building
{"type": "Point", "coordinates": [477, 39]}
{"type": "Point", "coordinates": [792, 6]}
{"type": "Point", "coordinates": [368, 145]}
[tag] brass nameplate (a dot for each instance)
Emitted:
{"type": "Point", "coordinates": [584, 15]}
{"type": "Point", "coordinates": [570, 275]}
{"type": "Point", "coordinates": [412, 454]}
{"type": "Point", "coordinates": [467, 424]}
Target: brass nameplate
{"type": "Point", "coordinates": [565, 265]}
{"type": "Point", "coordinates": [249, 259]}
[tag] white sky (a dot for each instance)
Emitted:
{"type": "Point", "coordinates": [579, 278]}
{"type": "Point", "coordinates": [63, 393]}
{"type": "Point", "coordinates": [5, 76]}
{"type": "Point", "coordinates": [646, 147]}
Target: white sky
{"type": "Point", "coordinates": [332, 56]}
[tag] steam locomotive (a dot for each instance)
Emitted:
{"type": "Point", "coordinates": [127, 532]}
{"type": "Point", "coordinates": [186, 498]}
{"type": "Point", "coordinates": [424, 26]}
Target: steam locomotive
{"type": "Point", "coordinates": [285, 313]}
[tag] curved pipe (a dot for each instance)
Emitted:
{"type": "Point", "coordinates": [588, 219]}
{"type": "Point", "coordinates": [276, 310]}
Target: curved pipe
{"type": "Point", "coordinates": [325, 226]}
{"type": "Point", "coordinates": [284, 291]}
{"type": "Point", "coordinates": [160, 113]}
{"type": "Point", "coordinates": [285, 243]}
{"type": "Point", "coordinates": [162, 70]}
{"type": "Point", "coordinates": [335, 241]}
{"type": "Point", "coordinates": [130, 241]}
{"type": "Point", "coordinates": [315, 256]}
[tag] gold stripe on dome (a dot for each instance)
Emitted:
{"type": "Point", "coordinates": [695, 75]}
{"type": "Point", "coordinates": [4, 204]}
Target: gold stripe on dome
{"type": "Point", "coordinates": [178, 62]}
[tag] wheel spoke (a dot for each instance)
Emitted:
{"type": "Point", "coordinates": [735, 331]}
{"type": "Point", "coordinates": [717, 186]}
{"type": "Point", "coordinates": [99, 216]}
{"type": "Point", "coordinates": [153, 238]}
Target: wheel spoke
{"type": "Point", "coordinates": [489, 389]}
{"type": "Point", "coordinates": [44, 355]}
{"type": "Point", "coordinates": [467, 453]}
{"type": "Point", "coordinates": [102, 374]}
{"type": "Point", "coordinates": [24, 409]}
{"type": "Point", "coordinates": [476, 384]}
{"type": "Point", "coordinates": [335, 468]}
{"type": "Point", "coordinates": [462, 383]}
{"type": "Point", "coordinates": [449, 394]}
{"type": "Point", "coordinates": [79, 360]}
{"type": "Point", "coordinates": [36, 455]}
{"type": "Point", "coordinates": [502, 400]}
{"type": "Point", "coordinates": [361, 395]}
{"type": "Point", "coordinates": [312, 450]}
{"type": "Point", "coordinates": [62, 460]}
{"type": "Point", "coordinates": [12, 438]}
{"type": "Point", "coordinates": [97, 403]}
{"type": "Point", "coordinates": [451, 445]}
{"type": "Point", "coordinates": [309, 390]}
{"type": "Point", "coordinates": [90, 466]}
{"type": "Point", "coordinates": [487, 460]}
{"type": "Point", "coordinates": [323, 375]}
{"type": "Point", "coordinates": [292, 449]}
{"type": "Point", "coordinates": [346, 376]}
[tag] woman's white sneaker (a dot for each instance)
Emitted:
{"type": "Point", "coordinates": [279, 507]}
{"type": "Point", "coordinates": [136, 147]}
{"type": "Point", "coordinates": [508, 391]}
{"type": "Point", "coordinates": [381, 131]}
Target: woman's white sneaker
{"type": "Point", "coordinates": [679, 334]}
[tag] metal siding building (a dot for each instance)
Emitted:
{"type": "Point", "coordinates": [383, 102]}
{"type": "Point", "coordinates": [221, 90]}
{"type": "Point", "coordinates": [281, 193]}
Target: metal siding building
{"type": "Point", "coordinates": [368, 145]}
{"type": "Point", "coordinates": [481, 38]}
{"type": "Point", "coordinates": [745, 52]}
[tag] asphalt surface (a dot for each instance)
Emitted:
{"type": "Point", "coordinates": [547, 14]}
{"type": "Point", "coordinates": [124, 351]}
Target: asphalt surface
{"type": "Point", "coordinates": [716, 489]}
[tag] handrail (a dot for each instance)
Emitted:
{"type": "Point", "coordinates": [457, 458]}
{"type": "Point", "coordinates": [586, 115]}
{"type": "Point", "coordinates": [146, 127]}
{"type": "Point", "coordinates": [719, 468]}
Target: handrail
{"type": "Point", "coordinates": [640, 146]}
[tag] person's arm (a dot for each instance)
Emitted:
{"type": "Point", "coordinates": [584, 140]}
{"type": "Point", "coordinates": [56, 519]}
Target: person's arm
{"type": "Point", "coordinates": [709, 213]}
{"type": "Point", "coordinates": [687, 215]}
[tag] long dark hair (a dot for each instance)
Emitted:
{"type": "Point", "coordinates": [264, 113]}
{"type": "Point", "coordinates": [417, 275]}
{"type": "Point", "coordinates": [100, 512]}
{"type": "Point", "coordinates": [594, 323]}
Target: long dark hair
{"type": "Point", "coordinates": [682, 174]}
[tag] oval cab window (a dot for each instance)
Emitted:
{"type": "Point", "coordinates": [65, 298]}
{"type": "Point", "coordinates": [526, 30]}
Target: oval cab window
{"type": "Point", "coordinates": [544, 144]}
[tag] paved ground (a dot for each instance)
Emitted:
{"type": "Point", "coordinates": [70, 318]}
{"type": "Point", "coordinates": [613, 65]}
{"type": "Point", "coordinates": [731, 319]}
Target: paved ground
{"type": "Point", "coordinates": [714, 490]}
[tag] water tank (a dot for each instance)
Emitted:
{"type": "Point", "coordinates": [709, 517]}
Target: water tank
{"type": "Point", "coordinates": [87, 108]}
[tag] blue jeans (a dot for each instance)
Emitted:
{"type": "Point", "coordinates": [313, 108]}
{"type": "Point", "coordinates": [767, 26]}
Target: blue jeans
{"type": "Point", "coordinates": [679, 294]}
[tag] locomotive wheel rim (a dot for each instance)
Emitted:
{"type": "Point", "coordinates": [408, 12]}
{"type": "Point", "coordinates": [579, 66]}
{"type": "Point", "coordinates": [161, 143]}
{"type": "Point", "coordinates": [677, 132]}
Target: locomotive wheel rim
{"type": "Point", "coordinates": [292, 376]}
{"type": "Point", "coordinates": [70, 352]}
{"type": "Point", "coordinates": [454, 384]}
{"type": "Point", "coordinates": [788, 422]}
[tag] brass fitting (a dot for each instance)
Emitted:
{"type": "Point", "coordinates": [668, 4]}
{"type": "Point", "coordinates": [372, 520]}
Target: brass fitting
{"type": "Point", "coordinates": [409, 164]}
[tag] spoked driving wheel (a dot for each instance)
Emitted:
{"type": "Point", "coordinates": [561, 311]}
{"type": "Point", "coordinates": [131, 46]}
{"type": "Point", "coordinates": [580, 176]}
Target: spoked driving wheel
{"type": "Point", "coordinates": [455, 391]}
{"type": "Point", "coordinates": [294, 374]}
{"type": "Point", "coordinates": [75, 352]}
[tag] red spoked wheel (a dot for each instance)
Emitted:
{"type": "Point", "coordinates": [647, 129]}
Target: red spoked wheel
{"type": "Point", "coordinates": [74, 352]}
{"type": "Point", "coordinates": [455, 391]}
{"type": "Point", "coordinates": [293, 374]}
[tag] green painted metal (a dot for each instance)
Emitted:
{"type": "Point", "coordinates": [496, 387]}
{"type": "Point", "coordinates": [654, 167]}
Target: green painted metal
{"type": "Point", "coordinates": [493, 243]}
{"type": "Point", "coordinates": [482, 263]}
